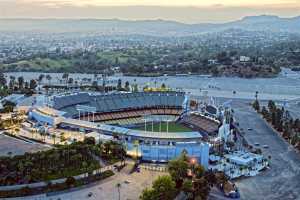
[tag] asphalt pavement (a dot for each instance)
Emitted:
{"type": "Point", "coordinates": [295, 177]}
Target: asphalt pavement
{"type": "Point", "coordinates": [282, 180]}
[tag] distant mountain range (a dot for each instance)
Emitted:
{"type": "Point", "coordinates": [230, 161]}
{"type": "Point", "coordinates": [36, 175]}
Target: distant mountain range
{"type": "Point", "coordinates": [150, 27]}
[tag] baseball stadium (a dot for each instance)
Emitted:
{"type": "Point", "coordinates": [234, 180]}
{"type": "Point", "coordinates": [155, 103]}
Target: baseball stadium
{"type": "Point", "coordinates": [154, 126]}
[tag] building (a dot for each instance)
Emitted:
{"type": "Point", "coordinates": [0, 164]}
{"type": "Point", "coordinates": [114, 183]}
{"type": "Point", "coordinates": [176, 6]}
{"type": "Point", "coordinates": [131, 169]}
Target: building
{"type": "Point", "coordinates": [244, 59]}
{"type": "Point", "coordinates": [244, 158]}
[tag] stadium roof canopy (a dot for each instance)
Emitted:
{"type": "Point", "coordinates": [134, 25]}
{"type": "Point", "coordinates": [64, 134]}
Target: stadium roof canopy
{"type": "Point", "coordinates": [130, 132]}
{"type": "Point", "coordinates": [165, 135]}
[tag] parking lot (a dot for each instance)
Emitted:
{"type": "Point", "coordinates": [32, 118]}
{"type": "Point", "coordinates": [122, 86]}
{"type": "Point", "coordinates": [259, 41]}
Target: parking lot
{"type": "Point", "coordinates": [12, 146]}
{"type": "Point", "coordinates": [282, 180]}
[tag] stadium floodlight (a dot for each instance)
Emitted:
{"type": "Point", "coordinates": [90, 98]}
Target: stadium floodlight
{"type": "Point", "coordinates": [86, 109]}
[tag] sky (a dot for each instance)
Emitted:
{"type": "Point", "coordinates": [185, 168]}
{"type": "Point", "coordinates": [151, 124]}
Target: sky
{"type": "Point", "coordinates": [188, 11]}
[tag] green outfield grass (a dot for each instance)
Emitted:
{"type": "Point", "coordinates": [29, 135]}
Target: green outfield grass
{"type": "Point", "coordinates": [173, 127]}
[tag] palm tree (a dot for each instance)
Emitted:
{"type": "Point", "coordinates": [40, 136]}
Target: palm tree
{"type": "Point", "coordinates": [119, 192]}
{"type": "Point", "coordinates": [241, 169]}
{"type": "Point", "coordinates": [32, 132]}
{"type": "Point", "coordinates": [62, 137]}
{"type": "Point", "coordinates": [95, 77]}
{"type": "Point", "coordinates": [21, 82]}
{"type": "Point", "coordinates": [41, 77]}
{"type": "Point", "coordinates": [234, 93]}
{"type": "Point", "coordinates": [12, 82]}
{"type": "Point", "coordinates": [256, 95]}
{"type": "Point", "coordinates": [269, 158]}
{"type": "Point", "coordinates": [53, 137]}
{"type": "Point", "coordinates": [48, 77]}
{"type": "Point", "coordinates": [65, 77]}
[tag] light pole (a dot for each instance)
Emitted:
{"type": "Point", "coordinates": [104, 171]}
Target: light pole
{"type": "Point", "coordinates": [193, 162]}
{"type": "Point", "coordinates": [118, 187]}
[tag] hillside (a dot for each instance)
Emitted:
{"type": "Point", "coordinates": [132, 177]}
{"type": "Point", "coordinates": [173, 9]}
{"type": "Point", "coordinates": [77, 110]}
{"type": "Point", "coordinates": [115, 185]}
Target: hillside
{"type": "Point", "coordinates": [149, 27]}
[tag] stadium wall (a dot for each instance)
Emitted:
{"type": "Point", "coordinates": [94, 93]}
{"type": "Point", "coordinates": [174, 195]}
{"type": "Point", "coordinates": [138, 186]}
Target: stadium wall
{"type": "Point", "coordinates": [164, 153]}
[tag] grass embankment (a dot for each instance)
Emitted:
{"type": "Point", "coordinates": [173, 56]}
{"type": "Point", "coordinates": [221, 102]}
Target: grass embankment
{"type": "Point", "coordinates": [53, 188]}
{"type": "Point", "coordinates": [40, 64]}
{"type": "Point", "coordinates": [63, 161]}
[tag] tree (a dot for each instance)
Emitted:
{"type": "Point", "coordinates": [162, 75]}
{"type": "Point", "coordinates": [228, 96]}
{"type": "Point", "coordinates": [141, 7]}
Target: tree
{"type": "Point", "coordinates": [256, 95]}
{"type": "Point", "coordinates": [201, 188]}
{"type": "Point", "coordinates": [210, 177]}
{"type": "Point", "coordinates": [70, 181]}
{"type": "Point", "coordinates": [62, 137]}
{"type": "Point", "coordinates": [11, 82]}
{"type": "Point", "coordinates": [119, 86]}
{"type": "Point", "coordinates": [41, 77]}
{"type": "Point", "coordinates": [8, 106]}
{"type": "Point", "coordinates": [135, 88]}
{"type": "Point", "coordinates": [148, 194]}
{"type": "Point", "coordinates": [287, 130]}
{"type": "Point", "coordinates": [32, 84]}
{"type": "Point", "coordinates": [178, 170]}
{"type": "Point", "coordinates": [265, 113]}
{"type": "Point", "coordinates": [271, 106]}
{"type": "Point", "coordinates": [53, 136]}
{"type": "Point", "coordinates": [199, 171]}
{"type": "Point", "coordinates": [65, 76]}
{"type": "Point", "coordinates": [278, 119]}
{"type": "Point", "coordinates": [48, 77]}
{"type": "Point", "coordinates": [89, 140]}
{"type": "Point", "coordinates": [21, 82]}
{"type": "Point", "coordinates": [187, 187]}
{"type": "Point", "coordinates": [296, 125]}
{"type": "Point", "coordinates": [256, 105]}
{"type": "Point", "coordinates": [70, 81]}
{"type": "Point", "coordinates": [2, 80]}
{"type": "Point", "coordinates": [26, 85]}
{"type": "Point", "coordinates": [127, 86]}
{"type": "Point", "coordinates": [163, 188]}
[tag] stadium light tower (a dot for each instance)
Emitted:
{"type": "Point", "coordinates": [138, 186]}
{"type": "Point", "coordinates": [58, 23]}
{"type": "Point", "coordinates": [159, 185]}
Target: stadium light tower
{"type": "Point", "coordinates": [167, 126]}
{"type": "Point", "coordinates": [152, 126]}
{"type": "Point", "coordinates": [86, 109]}
{"type": "Point", "coordinates": [159, 125]}
{"type": "Point", "coordinates": [145, 118]}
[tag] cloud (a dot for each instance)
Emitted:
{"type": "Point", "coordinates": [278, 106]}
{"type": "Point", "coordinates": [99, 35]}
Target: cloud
{"type": "Point", "coordinates": [168, 3]}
